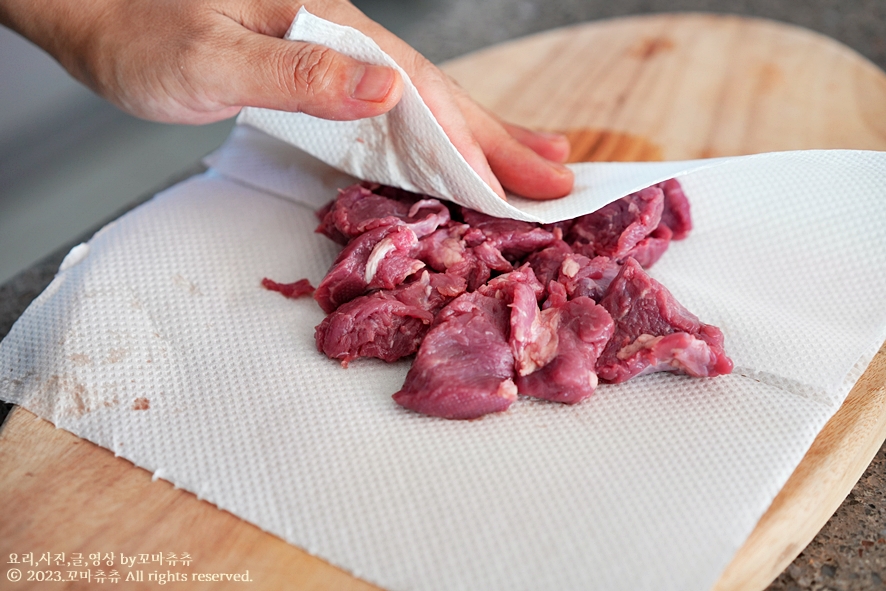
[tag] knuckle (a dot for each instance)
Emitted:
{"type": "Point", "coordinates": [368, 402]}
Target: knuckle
{"type": "Point", "coordinates": [311, 70]}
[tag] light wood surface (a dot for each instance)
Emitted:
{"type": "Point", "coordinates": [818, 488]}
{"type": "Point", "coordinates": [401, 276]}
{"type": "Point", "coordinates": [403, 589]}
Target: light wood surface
{"type": "Point", "coordinates": [661, 87]}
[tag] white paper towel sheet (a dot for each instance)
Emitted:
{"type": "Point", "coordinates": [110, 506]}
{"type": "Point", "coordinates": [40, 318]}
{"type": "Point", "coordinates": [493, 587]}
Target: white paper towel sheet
{"type": "Point", "coordinates": [652, 484]}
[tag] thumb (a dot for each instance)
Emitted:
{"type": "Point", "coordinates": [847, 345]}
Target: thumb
{"type": "Point", "coordinates": [308, 78]}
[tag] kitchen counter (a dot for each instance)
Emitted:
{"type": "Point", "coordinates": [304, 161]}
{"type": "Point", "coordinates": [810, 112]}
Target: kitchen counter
{"type": "Point", "coordinates": [850, 551]}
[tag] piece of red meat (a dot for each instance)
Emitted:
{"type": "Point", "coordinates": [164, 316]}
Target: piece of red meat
{"type": "Point", "coordinates": [653, 332]}
{"type": "Point", "coordinates": [446, 250]}
{"type": "Point", "coordinates": [586, 277]}
{"type": "Point", "coordinates": [294, 290]}
{"type": "Point", "coordinates": [546, 262]}
{"type": "Point", "coordinates": [358, 209]}
{"type": "Point", "coordinates": [533, 336]}
{"type": "Point", "coordinates": [568, 375]}
{"type": "Point", "coordinates": [613, 230]}
{"type": "Point", "coordinates": [381, 257]}
{"type": "Point", "coordinates": [512, 238]}
{"type": "Point", "coordinates": [464, 368]}
{"type": "Point", "coordinates": [502, 286]}
{"type": "Point", "coordinates": [387, 324]}
{"type": "Point", "coordinates": [675, 214]}
{"type": "Point", "coordinates": [649, 250]}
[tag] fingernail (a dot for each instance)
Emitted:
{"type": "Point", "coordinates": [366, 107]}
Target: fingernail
{"type": "Point", "coordinates": [373, 83]}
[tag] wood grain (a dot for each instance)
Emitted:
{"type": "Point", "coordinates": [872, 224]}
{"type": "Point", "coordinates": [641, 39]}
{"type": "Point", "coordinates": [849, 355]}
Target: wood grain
{"type": "Point", "coordinates": [661, 87]}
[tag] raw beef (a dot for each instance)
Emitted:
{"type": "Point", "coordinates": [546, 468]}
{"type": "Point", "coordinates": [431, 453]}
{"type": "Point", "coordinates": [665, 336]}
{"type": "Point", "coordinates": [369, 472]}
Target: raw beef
{"type": "Point", "coordinates": [294, 290]}
{"type": "Point", "coordinates": [675, 214]}
{"type": "Point", "coordinates": [653, 332]}
{"type": "Point", "coordinates": [491, 306]}
{"type": "Point", "coordinates": [546, 262]}
{"type": "Point", "coordinates": [381, 257]}
{"type": "Point", "coordinates": [613, 230]}
{"type": "Point", "coordinates": [512, 238]}
{"type": "Point", "coordinates": [464, 368]}
{"type": "Point", "coordinates": [387, 324]}
{"type": "Point", "coordinates": [569, 376]}
{"type": "Point", "coordinates": [586, 277]}
{"type": "Point", "coordinates": [357, 209]}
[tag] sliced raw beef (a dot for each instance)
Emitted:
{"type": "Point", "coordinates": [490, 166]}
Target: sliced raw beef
{"type": "Point", "coordinates": [586, 277]}
{"type": "Point", "coordinates": [464, 368]}
{"type": "Point", "coordinates": [447, 250]}
{"type": "Point", "coordinates": [546, 262]}
{"type": "Point", "coordinates": [513, 238]}
{"type": "Point", "coordinates": [387, 324]}
{"type": "Point", "coordinates": [411, 279]}
{"type": "Point", "coordinates": [382, 257]}
{"type": "Point", "coordinates": [582, 328]}
{"type": "Point", "coordinates": [649, 250]}
{"type": "Point", "coordinates": [653, 332]}
{"type": "Point", "coordinates": [613, 230]}
{"type": "Point", "coordinates": [675, 214]}
{"type": "Point", "coordinates": [533, 337]}
{"type": "Point", "coordinates": [502, 287]}
{"type": "Point", "coordinates": [357, 210]}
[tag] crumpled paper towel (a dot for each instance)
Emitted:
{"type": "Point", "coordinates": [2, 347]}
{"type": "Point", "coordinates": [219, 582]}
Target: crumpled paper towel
{"type": "Point", "coordinates": [156, 341]}
{"type": "Point", "coordinates": [408, 148]}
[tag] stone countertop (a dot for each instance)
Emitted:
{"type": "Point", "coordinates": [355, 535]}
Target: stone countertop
{"type": "Point", "coordinates": [849, 553]}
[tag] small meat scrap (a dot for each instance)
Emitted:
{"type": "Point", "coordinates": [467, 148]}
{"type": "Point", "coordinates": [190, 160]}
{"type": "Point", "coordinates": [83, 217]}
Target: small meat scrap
{"type": "Point", "coordinates": [387, 324]}
{"type": "Point", "coordinates": [464, 368]}
{"type": "Point", "coordinates": [613, 230]}
{"type": "Point", "coordinates": [294, 290]}
{"type": "Point", "coordinates": [381, 257]}
{"type": "Point", "coordinates": [583, 328]}
{"type": "Point", "coordinates": [653, 332]}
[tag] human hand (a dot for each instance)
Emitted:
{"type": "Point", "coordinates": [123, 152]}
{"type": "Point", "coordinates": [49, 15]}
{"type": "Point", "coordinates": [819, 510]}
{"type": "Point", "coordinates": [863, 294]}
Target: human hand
{"type": "Point", "coordinates": [200, 61]}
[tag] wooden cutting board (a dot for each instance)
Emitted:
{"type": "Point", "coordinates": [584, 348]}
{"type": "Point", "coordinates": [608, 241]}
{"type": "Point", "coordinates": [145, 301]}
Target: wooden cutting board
{"type": "Point", "coordinates": [659, 87]}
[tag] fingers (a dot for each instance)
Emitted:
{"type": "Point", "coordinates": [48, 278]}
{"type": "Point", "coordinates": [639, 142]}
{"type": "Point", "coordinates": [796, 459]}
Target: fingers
{"type": "Point", "coordinates": [527, 163]}
{"type": "Point", "coordinates": [553, 146]}
{"type": "Point", "coordinates": [302, 77]}
{"type": "Point", "coordinates": [312, 79]}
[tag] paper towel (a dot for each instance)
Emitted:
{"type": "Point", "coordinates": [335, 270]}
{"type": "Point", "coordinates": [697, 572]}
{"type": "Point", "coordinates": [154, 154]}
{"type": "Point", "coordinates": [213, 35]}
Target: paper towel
{"type": "Point", "coordinates": [652, 484]}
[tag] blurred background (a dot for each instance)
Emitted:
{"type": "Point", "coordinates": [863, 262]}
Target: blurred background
{"type": "Point", "coordinates": [70, 162]}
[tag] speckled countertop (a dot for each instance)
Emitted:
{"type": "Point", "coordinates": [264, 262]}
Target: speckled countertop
{"type": "Point", "coordinates": [850, 551]}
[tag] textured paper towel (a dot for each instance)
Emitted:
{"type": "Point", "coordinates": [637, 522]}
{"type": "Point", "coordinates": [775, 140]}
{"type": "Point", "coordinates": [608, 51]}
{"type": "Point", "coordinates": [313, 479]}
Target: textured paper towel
{"type": "Point", "coordinates": [651, 484]}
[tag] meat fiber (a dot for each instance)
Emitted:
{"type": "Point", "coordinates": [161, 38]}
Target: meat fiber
{"type": "Point", "coordinates": [653, 332]}
{"type": "Point", "coordinates": [464, 368]}
{"type": "Point", "coordinates": [447, 250]}
{"type": "Point", "coordinates": [387, 324]}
